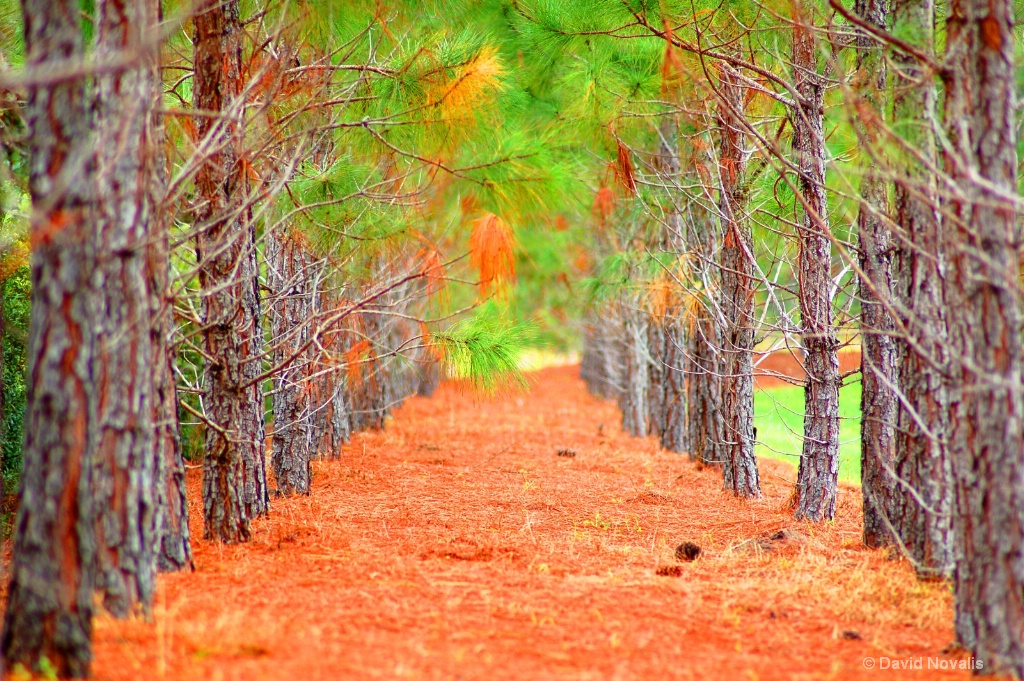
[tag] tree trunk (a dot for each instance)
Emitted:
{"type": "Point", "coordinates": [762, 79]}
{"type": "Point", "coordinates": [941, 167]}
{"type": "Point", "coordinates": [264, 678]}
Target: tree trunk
{"type": "Point", "coordinates": [922, 499]}
{"type": "Point", "coordinates": [330, 415]}
{"type": "Point", "coordinates": [50, 597]}
{"type": "Point", "coordinates": [818, 475]}
{"type": "Point", "coordinates": [982, 238]}
{"type": "Point", "coordinates": [878, 351]}
{"type": "Point", "coordinates": [613, 354]}
{"type": "Point", "coordinates": [175, 547]}
{"type": "Point", "coordinates": [594, 367]}
{"type": "Point", "coordinates": [289, 279]}
{"type": "Point", "coordinates": [704, 389]}
{"type": "Point", "coordinates": [634, 398]}
{"type": "Point", "coordinates": [234, 469]}
{"type": "Point", "coordinates": [736, 445]}
{"type": "Point", "coordinates": [175, 551]}
{"type": "Point", "coordinates": [126, 463]}
{"type": "Point", "coordinates": [668, 405]}
{"type": "Point", "coordinates": [368, 396]}
{"type": "Point", "coordinates": [339, 410]}
{"type": "Point", "coordinates": [657, 375]}
{"type": "Point", "coordinates": [673, 432]}
{"type": "Point", "coordinates": [175, 543]}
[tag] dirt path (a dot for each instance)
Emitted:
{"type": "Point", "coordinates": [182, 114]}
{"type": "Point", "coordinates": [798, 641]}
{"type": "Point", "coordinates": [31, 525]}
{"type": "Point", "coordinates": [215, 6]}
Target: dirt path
{"type": "Point", "coordinates": [457, 545]}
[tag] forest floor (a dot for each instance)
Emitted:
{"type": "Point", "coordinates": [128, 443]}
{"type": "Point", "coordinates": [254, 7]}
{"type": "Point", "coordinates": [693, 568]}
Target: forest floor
{"type": "Point", "coordinates": [457, 544]}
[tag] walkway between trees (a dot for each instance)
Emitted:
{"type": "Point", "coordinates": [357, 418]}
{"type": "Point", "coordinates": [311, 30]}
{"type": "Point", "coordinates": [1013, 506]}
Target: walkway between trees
{"type": "Point", "coordinates": [458, 543]}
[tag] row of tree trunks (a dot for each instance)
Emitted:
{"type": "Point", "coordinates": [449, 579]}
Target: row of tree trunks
{"type": "Point", "coordinates": [369, 404]}
{"type": "Point", "coordinates": [390, 371]}
{"type": "Point", "coordinates": [941, 313]}
{"type": "Point", "coordinates": [681, 406]}
{"type": "Point", "coordinates": [331, 424]}
{"type": "Point", "coordinates": [234, 467]}
{"type": "Point", "coordinates": [335, 373]}
{"type": "Point", "coordinates": [100, 502]}
{"type": "Point", "coordinates": [334, 424]}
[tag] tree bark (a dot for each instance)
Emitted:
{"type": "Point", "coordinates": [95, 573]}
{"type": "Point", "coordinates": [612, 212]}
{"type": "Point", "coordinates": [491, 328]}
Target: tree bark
{"type": "Point", "coordinates": [289, 279]}
{"type": "Point", "coordinates": [127, 464]}
{"type": "Point", "coordinates": [673, 359]}
{"type": "Point", "coordinates": [704, 389]}
{"type": "Point", "coordinates": [818, 475]}
{"type": "Point", "coordinates": [598, 361]}
{"type": "Point", "coordinates": [673, 432]}
{"type": "Point", "coordinates": [175, 547]}
{"type": "Point", "coordinates": [922, 498]}
{"type": "Point", "coordinates": [49, 602]}
{"type": "Point", "coordinates": [657, 376]}
{"type": "Point", "coordinates": [338, 417]}
{"type": "Point", "coordinates": [366, 387]}
{"type": "Point", "coordinates": [234, 469]}
{"type": "Point", "coordinates": [175, 541]}
{"type": "Point", "coordinates": [982, 238]}
{"type": "Point", "coordinates": [330, 414]}
{"type": "Point", "coordinates": [878, 351]}
{"type": "Point", "coordinates": [634, 398]}
{"type": "Point", "coordinates": [736, 444]}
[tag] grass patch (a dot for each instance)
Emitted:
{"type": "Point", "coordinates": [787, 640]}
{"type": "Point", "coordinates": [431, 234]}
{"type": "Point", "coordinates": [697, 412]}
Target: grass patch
{"type": "Point", "coordinates": [779, 419]}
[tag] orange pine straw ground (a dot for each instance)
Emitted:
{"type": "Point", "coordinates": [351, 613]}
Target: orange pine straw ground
{"type": "Point", "coordinates": [457, 545]}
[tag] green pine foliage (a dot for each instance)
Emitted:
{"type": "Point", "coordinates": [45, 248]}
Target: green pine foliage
{"type": "Point", "coordinates": [483, 353]}
{"type": "Point", "coordinates": [401, 124]}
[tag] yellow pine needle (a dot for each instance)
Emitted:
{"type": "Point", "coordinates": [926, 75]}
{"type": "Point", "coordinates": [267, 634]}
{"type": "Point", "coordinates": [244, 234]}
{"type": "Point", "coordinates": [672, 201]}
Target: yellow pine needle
{"type": "Point", "coordinates": [660, 298]}
{"type": "Point", "coordinates": [472, 86]}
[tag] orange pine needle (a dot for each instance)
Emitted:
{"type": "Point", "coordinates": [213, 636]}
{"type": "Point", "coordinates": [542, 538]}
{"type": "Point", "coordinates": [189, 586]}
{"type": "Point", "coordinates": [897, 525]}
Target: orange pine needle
{"type": "Point", "coordinates": [354, 358]}
{"type": "Point", "coordinates": [604, 203]}
{"type": "Point", "coordinates": [624, 170]}
{"type": "Point", "coordinates": [491, 251]}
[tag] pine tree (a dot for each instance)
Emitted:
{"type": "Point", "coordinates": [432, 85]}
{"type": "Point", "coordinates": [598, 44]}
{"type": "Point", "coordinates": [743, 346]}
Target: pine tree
{"type": "Point", "coordinates": [49, 602]}
{"type": "Point", "coordinates": [985, 315]}
{"type": "Point", "coordinates": [818, 474]}
{"type": "Point", "coordinates": [234, 470]}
